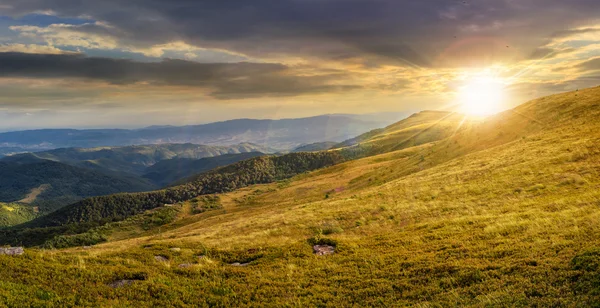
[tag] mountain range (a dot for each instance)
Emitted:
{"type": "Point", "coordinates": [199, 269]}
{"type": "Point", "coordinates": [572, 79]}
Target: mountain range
{"type": "Point", "coordinates": [284, 134]}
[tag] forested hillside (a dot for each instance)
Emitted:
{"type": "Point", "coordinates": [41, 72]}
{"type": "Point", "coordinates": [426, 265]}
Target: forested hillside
{"type": "Point", "coordinates": [95, 211]}
{"type": "Point", "coordinates": [169, 171]}
{"type": "Point", "coordinates": [50, 185]}
{"type": "Point", "coordinates": [16, 213]}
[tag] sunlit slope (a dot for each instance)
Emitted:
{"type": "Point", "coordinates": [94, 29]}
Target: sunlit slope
{"type": "Point", "coordinates": [15, 213]}
{"type": "Point", "coordinates": [421, 128]}
{"type": "Point", "coordinates": [481, 219]}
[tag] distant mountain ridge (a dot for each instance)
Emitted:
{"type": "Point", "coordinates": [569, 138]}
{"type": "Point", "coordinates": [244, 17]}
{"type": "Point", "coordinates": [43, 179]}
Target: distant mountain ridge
{"type": "Point", "coordinates": [284, 134]}
{"type": "Point", "coordinates": [135, 159]}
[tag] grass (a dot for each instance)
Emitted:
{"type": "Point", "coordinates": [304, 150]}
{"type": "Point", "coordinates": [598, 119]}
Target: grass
{"type": "Point", "coordinates": [16, 213]}
{"type": "Point", "coordinates": [478, 219]}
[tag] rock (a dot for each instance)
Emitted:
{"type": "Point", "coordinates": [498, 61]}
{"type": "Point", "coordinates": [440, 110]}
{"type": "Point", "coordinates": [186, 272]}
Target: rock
{"type": "Point", "coordinates": [185, 265]}
{"type": "Point", "coordinates": [161, 258]}
{"type": "Point", "coordinates": [239, 264]}
{"type": "Point", "coordinates": [87, 247]}
{"type": "Point", "coordinates": [12, 251]}
{"type": "Point", "coordinates": [176, 249]}
{"type": "Point", "coordinates": [120, 283]}
{"type": "Point", "coordinates": [323, 250]}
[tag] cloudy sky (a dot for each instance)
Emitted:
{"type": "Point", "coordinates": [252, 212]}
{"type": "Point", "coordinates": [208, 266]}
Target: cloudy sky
{"type": "Point", "coordinates": [114, 63]}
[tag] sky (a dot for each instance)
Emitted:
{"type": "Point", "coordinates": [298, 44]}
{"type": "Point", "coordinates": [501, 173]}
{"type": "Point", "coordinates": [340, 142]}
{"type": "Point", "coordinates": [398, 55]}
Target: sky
{"type": "Point", "coordinates": [114, 63]}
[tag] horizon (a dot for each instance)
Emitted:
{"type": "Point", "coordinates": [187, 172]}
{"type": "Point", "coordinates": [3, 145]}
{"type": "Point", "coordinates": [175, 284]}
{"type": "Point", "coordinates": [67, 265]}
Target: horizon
{"type": "Point", "coordinates": [401, 114]}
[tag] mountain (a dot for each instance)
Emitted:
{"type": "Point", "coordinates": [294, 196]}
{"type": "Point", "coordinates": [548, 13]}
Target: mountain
{"type": "Point", "coordinates": [280, 134]}
{"type": "Point", "coordinates": [49, 185]}
{"type": "Point", "coordinates": [171, 170]}
{"type": "Point", "coordinates": [495, 212]}
{"type": "Point", "coordinates": [134, 160]}
{"type": "Point", "coordinates": [313, 147]}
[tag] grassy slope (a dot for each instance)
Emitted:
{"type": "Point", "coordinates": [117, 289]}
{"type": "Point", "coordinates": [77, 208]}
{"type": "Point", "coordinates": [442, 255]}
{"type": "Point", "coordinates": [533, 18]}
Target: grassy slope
{"type": "Point", "coordinates": [15, 213]}
{"type": "Point", "coordinates": [419, 129]}
{"type": "Point", "coordinates": [504, 213]}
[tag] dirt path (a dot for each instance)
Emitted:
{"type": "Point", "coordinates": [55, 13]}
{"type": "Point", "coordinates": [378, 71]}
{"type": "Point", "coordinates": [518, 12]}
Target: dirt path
{"type": "Point", "coordinates": [34, 193]}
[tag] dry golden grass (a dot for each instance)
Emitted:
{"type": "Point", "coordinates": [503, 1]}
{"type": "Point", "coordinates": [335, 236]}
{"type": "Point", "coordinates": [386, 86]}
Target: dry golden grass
{"type": "Point", "coordinates": [499, 214]}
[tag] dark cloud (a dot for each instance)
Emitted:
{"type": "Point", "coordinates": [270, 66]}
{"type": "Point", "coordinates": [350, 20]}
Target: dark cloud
{"type": "Point", "coordinates": [590, 65]}
{"type": "Point", "coordinates": [390, 31]}
{"type": "Point", "coordinates": [224, 80]}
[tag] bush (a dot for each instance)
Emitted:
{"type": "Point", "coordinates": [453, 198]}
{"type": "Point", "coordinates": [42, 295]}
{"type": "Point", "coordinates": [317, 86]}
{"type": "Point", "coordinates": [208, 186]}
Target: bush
{"type": "Point", "coordinates": [66, 241]}
{"type": "Point", "coordinates": [206, 203]}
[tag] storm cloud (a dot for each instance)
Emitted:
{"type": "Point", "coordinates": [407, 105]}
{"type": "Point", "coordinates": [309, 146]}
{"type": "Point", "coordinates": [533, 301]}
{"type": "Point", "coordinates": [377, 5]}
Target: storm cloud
{"type": "Point", "coordinates": [387, 31]}
{"type": "Point", "coordinates": [225, 80]}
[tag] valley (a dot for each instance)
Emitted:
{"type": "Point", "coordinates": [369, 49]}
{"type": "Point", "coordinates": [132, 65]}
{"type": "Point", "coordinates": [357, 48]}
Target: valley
{"type": "Point", "coordinates": [436, 210]}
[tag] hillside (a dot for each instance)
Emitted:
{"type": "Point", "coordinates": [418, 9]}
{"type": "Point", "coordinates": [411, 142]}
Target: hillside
{"type": "Point", "coordinates": [16, 213]}
{"type": "Point", "coordinates": [91, 212]}
{"type": "Point", "coordinates": [49, 184]}
{"type": "Point", "coordinates": [281, 134]}
{"type": "Point", "coordinates": [314, 147]}
{"type": "Point", "coordinates": [500, 212]}
{"type": "Point", "coordinates": [419, 129]}
{"type": "Point", "coordinates": [134, 160]}
{"type": "Point", "coordinates": [169, 171]}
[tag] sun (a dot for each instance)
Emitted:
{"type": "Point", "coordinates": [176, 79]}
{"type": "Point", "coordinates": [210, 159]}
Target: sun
{"type": "Point", "coordinates": [482, 95]}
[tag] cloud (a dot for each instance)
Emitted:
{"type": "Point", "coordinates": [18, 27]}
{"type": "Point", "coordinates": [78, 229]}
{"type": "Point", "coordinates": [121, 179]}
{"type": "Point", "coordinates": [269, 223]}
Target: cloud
{"type": "Point", "coordinates": [590, 65]}
{"type": "Point", "coordinates": [389, 32]}
{"type": "Point", "coordinates": [91, 36]}
{"type": "Point", "coordinates": [32, 48]}
{"type": "Point", "coordinates": [547, 53]}
{"type": "Point", "coordinates": [379, 51]}
{"type": "Point", "coordinates": [572, 32]}
{"type": "Point", "coordinates": [223, 80]}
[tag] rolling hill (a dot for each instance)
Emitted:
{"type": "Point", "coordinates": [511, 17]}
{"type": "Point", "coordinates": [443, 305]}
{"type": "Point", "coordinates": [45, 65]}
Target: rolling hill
{"type": "Point", "coordinates": [91, 212]}
{"type": "Point", "coordinates": [50, 185]}
{"type": "Point", "coordinates": [419, 129]}
{"type": "Point", "coordinates": [497, 212]}
{"type": "Point", "coordinates": [16, 213]}
{"type": "Point", "coordinates": [169, 171]}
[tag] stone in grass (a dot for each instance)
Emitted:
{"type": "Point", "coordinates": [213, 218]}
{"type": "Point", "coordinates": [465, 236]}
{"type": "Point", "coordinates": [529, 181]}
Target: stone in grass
{"type": "Point", "coordinates": [323, 250]}
{"type": "Point", "coordinates": [161, 258]}
{"type": "Point", "coordinates": [185, 265]}
{"type": "Point", "coordinates": [12, 251]}
{"type": "Point", "coordinates": [239, 264]}
{"type": "Point", "coordinates": [175, 249]}
{"type": "Point", "coordinates": [120, 283]}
